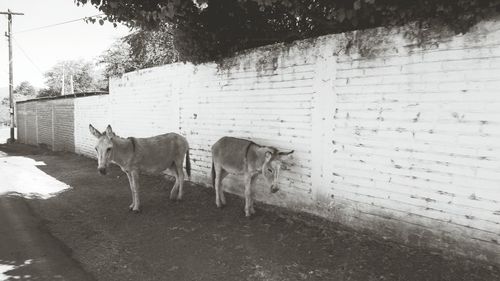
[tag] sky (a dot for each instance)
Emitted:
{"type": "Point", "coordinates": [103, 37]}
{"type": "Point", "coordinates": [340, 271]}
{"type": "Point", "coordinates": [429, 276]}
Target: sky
{"type": "Point", "coordinates": [36, 51]}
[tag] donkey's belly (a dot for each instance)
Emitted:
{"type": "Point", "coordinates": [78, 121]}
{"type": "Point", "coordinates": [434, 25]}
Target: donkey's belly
{"type": "Point", "coordinates": [234, 170]}
{"type": "Point", "coordinates": [154, 169]}
{"type": "Point", "coordinates": [153, 166]}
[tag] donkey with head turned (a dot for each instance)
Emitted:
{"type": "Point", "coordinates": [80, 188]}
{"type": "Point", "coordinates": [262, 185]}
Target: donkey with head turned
{"type": "Point", "coordinates": [153, 155]}
{"type": "Point", "coordinates": [243, 157]}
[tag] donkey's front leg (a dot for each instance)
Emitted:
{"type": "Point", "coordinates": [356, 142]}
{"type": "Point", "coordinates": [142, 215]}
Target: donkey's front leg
{"type": "Point", "coordinates": [252, 181]}
{"type": "Point", "coordinates": [248, 194]}
{"type": "Point", "coordinates": [135, 191]}
{"type": "Point", "coordinates": [131, 184]}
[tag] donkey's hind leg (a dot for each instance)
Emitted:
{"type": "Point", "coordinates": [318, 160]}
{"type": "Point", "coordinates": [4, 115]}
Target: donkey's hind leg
{"type": "Point", "coordinates": [175, 188]}
{"type": "Point", "coordinates": [180, 179]}
{"type": "Point", "coordinates": [220, 199]}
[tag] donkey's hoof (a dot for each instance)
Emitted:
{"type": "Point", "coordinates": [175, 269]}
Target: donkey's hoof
{"type": "Point", "coordinates": [136, 211]}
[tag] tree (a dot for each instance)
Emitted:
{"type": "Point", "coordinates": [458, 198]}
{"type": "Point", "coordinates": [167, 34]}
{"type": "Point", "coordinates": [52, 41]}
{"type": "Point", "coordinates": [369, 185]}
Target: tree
{"type": "Point", "coordinates": [210, 29]}
{"type": "Point", "coordinates": [85, 76]}
{"type": "Point", "coordinates": [140, 49]}
{"type": "Point", "coordinates": [152, 47]}
{"type": "Point", "coordinates": [47, 92]}
{"type": "Point", "coordinates": [117, 59]}
{"type": "Point", "coordinates": [25, 89]}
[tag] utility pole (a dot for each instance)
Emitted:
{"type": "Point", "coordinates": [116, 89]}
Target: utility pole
{"type": "Point", "coordinates": [11, 74]}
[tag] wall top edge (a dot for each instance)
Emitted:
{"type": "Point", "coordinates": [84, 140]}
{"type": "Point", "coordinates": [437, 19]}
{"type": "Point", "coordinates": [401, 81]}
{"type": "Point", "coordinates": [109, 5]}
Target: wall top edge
{"type": "Point", "coordinates": [77, 95]}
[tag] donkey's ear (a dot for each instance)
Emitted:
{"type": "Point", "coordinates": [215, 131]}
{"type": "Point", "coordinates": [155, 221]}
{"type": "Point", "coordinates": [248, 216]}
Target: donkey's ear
{"type": "Point", "coordinates": [94, 131]}
{"type": "Point", "coordinates": [268, 156]}
{"type": "Point", "coordinates": [109, 132]}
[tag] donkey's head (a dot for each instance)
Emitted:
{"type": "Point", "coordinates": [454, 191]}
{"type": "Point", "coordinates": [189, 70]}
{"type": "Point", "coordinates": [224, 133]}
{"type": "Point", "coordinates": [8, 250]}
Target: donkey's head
{"type": "Point", "coordinates": [272, 166]}
{"type": "Point", "coordinates": [104, 147]}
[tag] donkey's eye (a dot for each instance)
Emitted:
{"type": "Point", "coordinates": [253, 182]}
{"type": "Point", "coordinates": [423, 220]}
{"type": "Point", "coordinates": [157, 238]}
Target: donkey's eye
{"type": "Point", "coordinates": [270, 170]}
{"type": "Point", "coordinates": [109, 149]}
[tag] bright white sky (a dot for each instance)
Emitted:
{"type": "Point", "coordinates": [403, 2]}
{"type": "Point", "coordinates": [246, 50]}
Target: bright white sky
{"type": "Point", "coordinates": [45, 47]}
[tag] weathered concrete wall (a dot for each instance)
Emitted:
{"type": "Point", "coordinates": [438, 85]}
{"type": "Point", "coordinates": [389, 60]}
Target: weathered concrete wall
{"type": "Point", "coordinates": [392, 134]}
{"type": "Point", "coordinates": [47, 122]}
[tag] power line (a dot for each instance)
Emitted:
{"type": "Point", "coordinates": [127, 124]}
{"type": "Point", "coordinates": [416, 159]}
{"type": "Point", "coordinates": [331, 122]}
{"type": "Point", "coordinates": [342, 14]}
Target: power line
{"type": "Point", "coordinates": [56, 24]}
{"type": "Point", "coordinates": [27, 56]}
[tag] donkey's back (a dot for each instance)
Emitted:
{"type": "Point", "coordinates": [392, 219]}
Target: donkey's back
{"type": "Point", "coordinates": [231, 154]}
{"type": "Point", "coordinates": [158, 153]}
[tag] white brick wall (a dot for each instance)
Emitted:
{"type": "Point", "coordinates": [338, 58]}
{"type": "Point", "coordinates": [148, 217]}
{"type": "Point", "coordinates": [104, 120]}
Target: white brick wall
{"type": "Point", "coordinates": [90, 110]}
{"type": "Point", "coordinates": [416, 137]}
{"type": "Point", "coordinates": [144, 103]}
{"type": "Point", "coordinates": [404, 142]}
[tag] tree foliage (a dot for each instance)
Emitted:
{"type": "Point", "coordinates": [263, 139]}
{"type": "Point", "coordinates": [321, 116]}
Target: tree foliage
{"type": "Point", "coordinates": [117, 59]}
{"type": "Point", "coordinates": [140, 49]}
{"type": "Point", "coordinates": [209, 29]}
{"type": "Point", "coordinates": [85, 76]}
{"type": "Point", "coordinates": [25, 89]}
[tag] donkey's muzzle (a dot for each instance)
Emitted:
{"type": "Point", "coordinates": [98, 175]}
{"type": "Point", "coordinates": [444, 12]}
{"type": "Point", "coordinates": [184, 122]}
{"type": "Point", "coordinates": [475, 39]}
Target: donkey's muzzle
{"type": "Point", "coordinates": [102, 171]}
{"type": "Point", "coordinates": [274, 189]}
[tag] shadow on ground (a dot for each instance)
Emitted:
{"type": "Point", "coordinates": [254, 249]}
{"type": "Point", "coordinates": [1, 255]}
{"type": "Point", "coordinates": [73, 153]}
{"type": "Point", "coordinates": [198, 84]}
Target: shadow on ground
{"type": "Point", "coordinates": [193, 240]}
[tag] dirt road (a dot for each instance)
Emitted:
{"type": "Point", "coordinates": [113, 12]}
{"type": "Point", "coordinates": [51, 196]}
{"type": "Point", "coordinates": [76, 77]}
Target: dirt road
{"type": "Point", "coordinates": [193, 240]}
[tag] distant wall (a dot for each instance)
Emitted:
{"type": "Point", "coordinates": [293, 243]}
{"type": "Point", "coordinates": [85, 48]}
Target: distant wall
{"type": "Point", "coordinates": [392, 134]}
{"type": "Point", "coordinates": [47, 122]}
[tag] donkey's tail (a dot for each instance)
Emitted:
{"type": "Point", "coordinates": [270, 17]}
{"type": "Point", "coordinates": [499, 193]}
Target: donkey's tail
{"type": "Point", "coordinates": [188, 164]}
{"type": "Point", "coordinates": [213, 175]}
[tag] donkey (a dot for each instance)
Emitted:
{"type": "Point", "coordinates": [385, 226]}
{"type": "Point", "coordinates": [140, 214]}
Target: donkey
{"type": "Point", "coordinates": [153, 155]}
{"type": "Point", "coordinates": [243, 157]}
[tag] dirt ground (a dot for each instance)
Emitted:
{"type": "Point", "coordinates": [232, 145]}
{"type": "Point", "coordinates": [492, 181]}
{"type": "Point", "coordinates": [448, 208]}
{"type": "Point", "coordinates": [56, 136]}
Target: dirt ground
{"type": "Point", "coordinates": [193, 240]}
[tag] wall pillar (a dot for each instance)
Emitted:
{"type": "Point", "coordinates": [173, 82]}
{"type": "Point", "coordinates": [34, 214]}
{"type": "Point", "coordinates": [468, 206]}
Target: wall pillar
{"type": "Point", "coordinates": [323, 103]}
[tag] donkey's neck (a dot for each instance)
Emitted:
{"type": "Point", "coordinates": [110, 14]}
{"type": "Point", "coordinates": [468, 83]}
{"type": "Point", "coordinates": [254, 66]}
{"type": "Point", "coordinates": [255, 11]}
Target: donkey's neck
{"type": "Point", "coordinates": [256, 156]}
{"type": "Point", "coordinates": [123, 151]}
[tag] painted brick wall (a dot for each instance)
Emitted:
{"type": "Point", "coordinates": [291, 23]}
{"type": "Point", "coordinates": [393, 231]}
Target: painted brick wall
{"type": "Point", "coordinates": [415, 132]}
{"type": "Point", "coordinates": [89, 110]}
{"type": "Point", "coordinates": [397, 136]}
{"type": "Point", "coordinates": [142, 104]}
{"type": "Point", "coordinates": [264, 95]}
{"type": "Point", "coordinates": [145, 103]}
